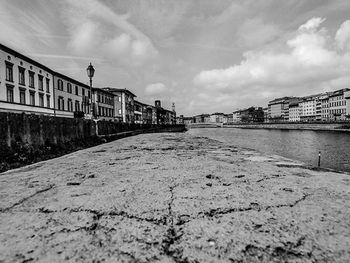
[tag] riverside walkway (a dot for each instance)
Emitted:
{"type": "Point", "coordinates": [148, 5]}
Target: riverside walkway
{"type": "Point", "coordinates": [173, 198]}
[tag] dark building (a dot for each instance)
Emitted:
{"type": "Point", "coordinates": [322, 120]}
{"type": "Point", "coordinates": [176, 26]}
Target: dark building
{"type": "Point", "coordinates": [252, 114]}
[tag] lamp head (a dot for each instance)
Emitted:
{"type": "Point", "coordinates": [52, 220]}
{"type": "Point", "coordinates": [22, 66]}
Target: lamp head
{"type": "Point", "coordinates": [90, 71]}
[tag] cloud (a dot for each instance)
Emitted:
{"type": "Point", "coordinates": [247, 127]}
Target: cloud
{"type": "Point", "coordinates": [96, 28]}
{"type": "Point", "coordinates": [254, 32]}
{"type": "Point", "coordinates": [312, 24]}
{"type": "Point", "coordinates": [342, 36]}
{"type": "Point", "coordinates": [155, 89]}
{"type": "Point", "coordinates": [309, 63]}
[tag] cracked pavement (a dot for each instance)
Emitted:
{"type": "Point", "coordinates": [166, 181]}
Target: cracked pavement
{"type": "Point", "coordinates": [173, 198]}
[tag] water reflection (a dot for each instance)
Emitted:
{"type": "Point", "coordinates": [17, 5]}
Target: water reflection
{"type": "Point", "coordinates": [298, 145]}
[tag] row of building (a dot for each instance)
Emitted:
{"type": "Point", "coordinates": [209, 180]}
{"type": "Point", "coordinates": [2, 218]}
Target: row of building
{"type": "Point", "coordinates": [324, 107]}
{"type": "Point", "coordinates": [31, 87]}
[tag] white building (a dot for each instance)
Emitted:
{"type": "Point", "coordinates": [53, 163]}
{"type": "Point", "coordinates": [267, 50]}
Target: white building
{"type": "Point", "coordinates": [236, 116]}
{"type": "Point", "coordinates": [123, 104]}
{"type": "Point", "coordinates": [25, 84]}
{"type": "Point", "coordinates": [294, 112]}
{"type": "Point", "coordinates": [347, 98]}
{"type": "Point", "coordinates": [71, 96]}
{"type": "Point", "coordinates": [337, 105]}
{"type": "Point", "coordinates": [308, 109]}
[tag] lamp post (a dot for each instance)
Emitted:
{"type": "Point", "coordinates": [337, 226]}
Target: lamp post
{"type": "Point", "coordinates": [90, 72]}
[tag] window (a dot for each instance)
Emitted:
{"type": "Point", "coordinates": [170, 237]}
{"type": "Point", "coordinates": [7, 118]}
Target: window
{"type": "Point", "coordinates": [21, 78]}
{"type": "Point", "coordinates": [40, 82]}
{"type": "Point", "coordinates": [69, 88]}
{"type": "Point", "coordinates": [83, 91]}
{"type": "Point", "coordinates": [76, 90]}
{"type": "Point", "coordinates": [22, 96]}
{"type": "Point", "coordinates": [77, 105]}
{"type": "Point", "coordinates": [89, 94]}
{"type": "Point", "coordinates": [31, 79]}
{"type": "Point", "coordinates": [60, 103]}
{"type": "Point", "coordinates": [60, 84]}
{"type": "Point", "coordinates": [10, 94]}
{"type": "Point", "coordinates": [32, 98]}
{"type": "Point", "coordinates": [70, 105]}
{"type": "Point", "coordinates": [9, 71]}
{"type": "Point", "coordinates": [41, 100]}
{"type": "Point", "coordinates": [98, 98]}
{"type": "Point", "coordinates": [47, 85]}
{"type": "Point", "coordinates": [48, 101]}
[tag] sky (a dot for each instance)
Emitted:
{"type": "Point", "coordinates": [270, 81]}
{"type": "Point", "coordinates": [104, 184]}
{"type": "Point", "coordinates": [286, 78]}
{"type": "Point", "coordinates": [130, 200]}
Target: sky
{"type": "Point", "coordinates": [205, 56]}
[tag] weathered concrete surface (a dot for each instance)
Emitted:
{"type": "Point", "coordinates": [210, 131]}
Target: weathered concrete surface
{"type": "Point", "coordinates": [173, 198]}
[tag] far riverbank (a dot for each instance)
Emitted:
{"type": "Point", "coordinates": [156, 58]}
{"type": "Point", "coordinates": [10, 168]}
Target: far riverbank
{"type": "Point", "coordinates": [337, 127]}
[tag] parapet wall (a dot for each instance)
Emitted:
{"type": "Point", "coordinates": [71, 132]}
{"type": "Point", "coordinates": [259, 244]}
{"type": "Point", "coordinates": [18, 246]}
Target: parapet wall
{"type": "Point", "coordinates": [27, 138]}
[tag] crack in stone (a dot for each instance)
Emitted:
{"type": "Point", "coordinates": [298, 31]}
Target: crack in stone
{"type": "Point", "coordinates": [99, 214]}
{"type": "Point", "coordinates": [173, 235]}
{"type": "Point", "coordinates": [269, 178]}
{"type": "Point", "coordinates": [3, 210]}
{"type": "Point", "coordinates": [252, 206]}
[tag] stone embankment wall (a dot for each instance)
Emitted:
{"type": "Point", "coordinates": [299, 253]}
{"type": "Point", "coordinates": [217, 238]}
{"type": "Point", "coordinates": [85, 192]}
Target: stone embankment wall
{"type": "Point", "coordinates": [26, 139]}
{"type": "Point", "coordinates": [295, 126]}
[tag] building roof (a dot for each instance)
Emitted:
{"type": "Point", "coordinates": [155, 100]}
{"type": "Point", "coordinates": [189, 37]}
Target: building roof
{"type": "Point", "coordinates": [102, 90]}
{"type": "Point", "coordinates": [19, 55]}
{"type": "Point", "coordinates": [202, 115]}
{"type": "Point", "coordinates": [281, 100]}
{"type": "Point", "coordinates": [36, 63]}
{"type": "Point", "coordinates": [119, 90]}
{"type": "Point", "coordinates": [338, 92]}
{"type": "Point", "coordinates": [57, 74]}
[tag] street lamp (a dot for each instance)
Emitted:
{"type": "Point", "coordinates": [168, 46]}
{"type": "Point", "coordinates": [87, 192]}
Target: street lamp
{"type": "Point", "coordinates": [90, 72]}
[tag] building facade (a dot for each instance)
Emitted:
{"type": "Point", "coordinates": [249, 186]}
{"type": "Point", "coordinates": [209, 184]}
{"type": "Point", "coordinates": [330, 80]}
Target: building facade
{"type": "Point", "coordinates": [294, 112]}
{"type": "Point", "coordinates": [103, 102]}
{"type": "Point", "coordinates": [337, 105]}
{"type": "Point", "coordinates": [308, 109]}
{"type": "Point", "coordinates": [25, 85]}
{"type": "Point", "coordinates": [123, 104]}
{"type": "Point", "coordinates": [347, 99]}
{"type": "Point", "coordinates": [71, 97]}
{"type": "Point", "coordinates": [138, 112]}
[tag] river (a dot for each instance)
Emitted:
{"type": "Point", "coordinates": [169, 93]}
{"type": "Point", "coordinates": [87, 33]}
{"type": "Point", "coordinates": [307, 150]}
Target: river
{"type": "Point", "coordinates": [294, 144]}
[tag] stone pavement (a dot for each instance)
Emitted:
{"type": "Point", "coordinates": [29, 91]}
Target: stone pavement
{"type": "Point", "coordinates": [173, 198]}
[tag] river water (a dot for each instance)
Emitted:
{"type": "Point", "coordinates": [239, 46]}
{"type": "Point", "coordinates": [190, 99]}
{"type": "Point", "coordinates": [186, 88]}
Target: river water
{"type": "Point", "coordinates": [294, 144]}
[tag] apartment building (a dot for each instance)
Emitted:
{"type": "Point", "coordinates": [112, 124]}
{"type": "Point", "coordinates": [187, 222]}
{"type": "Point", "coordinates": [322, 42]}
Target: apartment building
{"type": "Point", "coordinates": [294, 112]}
{"type": "Point", "coordinates": [71, 96]}
{"type": "Point", "coordinates": [202, 118]}
{"type": "Point", "coordinates": [308, 109]}
{"type": "Point", "coordinates": [337, 105]}
{"type": "Point", "coordinates": [266, 114]}
{"type": "Point", "coordinates": [347, 98]}
{"type": "Point", "coordinates": [217, 117]}
{"type": "Point", "coordinates": [138, 111]}
{"type": "Point", "coordinates": [324, 101]}
{"type": "Point", "coordinates": [103, 104]}
{"type": "Point", "coordinates": [25, 84]}
{"type": "Point", "coordinates": [148, 114]}
{"type": "Point", "coordinates": [277, 109]}
{"type": "Point", "coordinates": [236, 116]}
{"type": "Point", "coordinates": [123, 104]}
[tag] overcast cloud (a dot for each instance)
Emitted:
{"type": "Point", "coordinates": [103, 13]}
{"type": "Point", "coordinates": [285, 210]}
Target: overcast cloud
{"type": "Point", "coordinates": [206, 56]}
